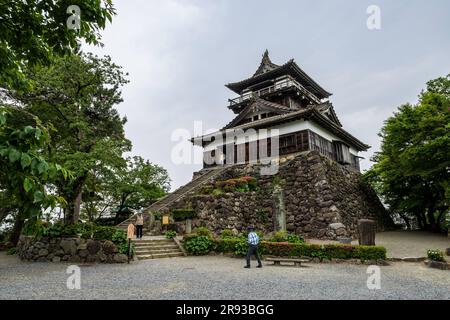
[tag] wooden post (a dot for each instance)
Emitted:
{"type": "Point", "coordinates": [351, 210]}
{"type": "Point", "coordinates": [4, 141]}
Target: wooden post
{"type": "Point", "coordinates": [130, 234]}
{"type": "Point", "coordinates": [367, 229]}
{"type": "Point", "coordinates": [129, 249]}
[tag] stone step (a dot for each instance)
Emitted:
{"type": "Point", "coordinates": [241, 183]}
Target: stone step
{"type": "Point", "coordinates": [180, 192]}
{"type": "Point", "coordinates": [155, 251]}
{"type": "Point", "coordinates": [171, 246]}
{"type": "Point", "coordinates": [154, 242]}
{"type": "Point", "coordinates": [160, 255]}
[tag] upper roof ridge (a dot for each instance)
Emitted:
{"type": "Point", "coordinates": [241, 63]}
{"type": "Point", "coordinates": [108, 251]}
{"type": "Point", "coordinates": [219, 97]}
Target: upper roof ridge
{"type": "Point", "coordinates": [265, 65]}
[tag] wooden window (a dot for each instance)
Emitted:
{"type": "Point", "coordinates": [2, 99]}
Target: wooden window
{"type": "Point", "coordinates": [342, 152]}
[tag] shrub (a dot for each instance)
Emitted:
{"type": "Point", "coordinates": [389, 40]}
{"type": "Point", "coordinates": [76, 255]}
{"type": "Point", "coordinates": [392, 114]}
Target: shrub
{"type": "Point", "coordinates": [170, 234]}
{"type": "Point", "coordinates": [198, 245]}
{"type": "Point", "coordinates": [119, 237]}
{"type": "Point", "coordinates": [183, 214]}
{"type": "Point", "coordinates": [369, 252]}
{"type": "Point", "coordinates": [226, 245]}
{"type": "Point", "coordinates": [242, 184]}
{"type": "Point", "coordinates": [284, 249]}
{"type": "Point", "coordinates": [295, 238]}
{"type": "Point", "coordinates": [157, 216]}
{"type": "Point", "coordinates": [104, 233]}
{"type": "Point", "coordinates": [435, 255]}
{"type": "Point", "coordinates": [11, 251]}
{"type": "Point", "coordinates": [226, 233]}
{"type": "Point", "coordinates": [241, 247]}
{"type": "Point", "coordinates": [279, 236]}
{"type": "Point", "coordinates": [202, 231]}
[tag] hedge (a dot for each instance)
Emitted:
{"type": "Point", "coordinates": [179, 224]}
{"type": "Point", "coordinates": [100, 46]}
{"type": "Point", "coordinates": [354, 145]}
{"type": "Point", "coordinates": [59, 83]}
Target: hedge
{"type": "Point", "coordinates": [328, 251]}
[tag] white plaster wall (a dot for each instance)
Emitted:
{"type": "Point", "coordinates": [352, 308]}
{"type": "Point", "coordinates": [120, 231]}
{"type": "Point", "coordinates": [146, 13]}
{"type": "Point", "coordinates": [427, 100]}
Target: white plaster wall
{"type": "Point", "coordinates": [285, 128]}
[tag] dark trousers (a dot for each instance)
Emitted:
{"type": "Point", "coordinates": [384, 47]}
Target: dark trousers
{"type": "Point", "coordinates": [253, 250]}
{"type": "Point", "coordinates": [139, 231]}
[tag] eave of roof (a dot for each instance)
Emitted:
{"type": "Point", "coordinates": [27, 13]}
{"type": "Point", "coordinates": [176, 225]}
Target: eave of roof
{"type": "Point", "coordinates": [289, 67]}
{"type": "Point", "coordinates": [272, 106]}
{"type": "Point", "coordinates": [307, 113]}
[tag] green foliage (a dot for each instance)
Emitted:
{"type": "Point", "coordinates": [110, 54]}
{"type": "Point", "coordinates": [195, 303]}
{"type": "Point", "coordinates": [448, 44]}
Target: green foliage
{"type": "Point", "coordinates": [60, 230]}
{"type": "Point", "coordinates": [203, 231]}
{"type": "Point", "coordinates": [198, 245]}
{"type": "Point", "coordinates": [284, 249]}
{"type": "Point", "coordinates": [102, 233]}
{"type": "Point", "coordinates": [120, 239]}
{"type": "Point", "coordinates": [295, 238]}
{"type": "Point", "coordinates": [119, 236]}
{"type": "Point", "coordinates": [183, 214]}
{"type": "Point", "coordinates": [436, 255]}
{"type": "Point", "coordinates": [170, 234]}
{"type": "Point", "coordinates": [31, 32]}
{"type": "Point", "coordinates": [369, 252]}
{"type": "Point", "coordinates": [26, 176]}
{"type": "Point", "coordinates": [411, 170]}
{"type": "Point", "coordinates": [242, 184]}
{"type": "Point", "coordinates": [157, 216]}
{"type": "Point", "coordinates": [241, 247]}
{"type": "Point", "coordinates": [11, 251]}
{"type": "Point", "coordinates": [281, 236]}
{"type": "Point", "coordinates": [226, 233]}
{"type": "Point", "coordinates": [226, 244]}
{"type": "Point", "coordinates": [137, 185]}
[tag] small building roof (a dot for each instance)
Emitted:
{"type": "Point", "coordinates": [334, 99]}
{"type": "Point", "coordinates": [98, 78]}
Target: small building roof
{"type": "Point", "coordinates": [268, 70]}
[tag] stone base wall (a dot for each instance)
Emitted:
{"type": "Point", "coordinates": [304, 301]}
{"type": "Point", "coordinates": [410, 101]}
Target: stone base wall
{"type": "Point", "coordinates": [69, 249]}
{"type": "Point", "coordinates": [319, 197]}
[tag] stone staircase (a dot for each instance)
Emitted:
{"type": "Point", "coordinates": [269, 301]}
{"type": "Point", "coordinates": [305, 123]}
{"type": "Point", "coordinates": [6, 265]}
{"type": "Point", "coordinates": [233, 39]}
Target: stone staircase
{"type": "Point", "coordinates": [165, 202]}
{"type": "Point", "coordinates": [154, 248]}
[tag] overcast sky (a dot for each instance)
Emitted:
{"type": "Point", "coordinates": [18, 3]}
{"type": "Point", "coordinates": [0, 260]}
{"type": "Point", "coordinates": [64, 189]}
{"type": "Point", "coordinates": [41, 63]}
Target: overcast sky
{"type": "Point", "coordinates": [180, 53]}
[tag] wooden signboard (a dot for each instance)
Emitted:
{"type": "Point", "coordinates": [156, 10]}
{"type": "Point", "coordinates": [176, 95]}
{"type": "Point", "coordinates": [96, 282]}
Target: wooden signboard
{"type": "Point", "coordinates": [165, 219]}
{"type": "Point", "coordinates": [130, 231]}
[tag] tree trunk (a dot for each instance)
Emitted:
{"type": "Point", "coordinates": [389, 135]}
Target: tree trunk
{"type": "Point", "coordinates": [77, 207]}
{"type": "Point", "coordinates": [74, 202]}
{"type": "Point", "coordinates": [434, 227]}
{"type": "Point", "coordinates": [17, 229]}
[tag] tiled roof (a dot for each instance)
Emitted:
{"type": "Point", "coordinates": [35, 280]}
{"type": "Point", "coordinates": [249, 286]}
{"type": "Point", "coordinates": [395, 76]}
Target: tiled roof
{"type": "Point", "coordinates": [257, 103]}
{"type": "Point", "coordinates": [310, 113]}
{"type": "Point", "coordinates": [268, 70]}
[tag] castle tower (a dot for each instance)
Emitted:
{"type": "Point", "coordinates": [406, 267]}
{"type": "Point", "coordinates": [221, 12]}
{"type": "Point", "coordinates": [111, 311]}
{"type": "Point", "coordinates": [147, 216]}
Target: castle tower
{"type": "Point", "coordinates": [281, 98]}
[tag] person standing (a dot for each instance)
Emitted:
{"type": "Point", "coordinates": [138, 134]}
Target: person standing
{"type": "Point", "coordinates": [139, 225]}
{"type": "Point", "coordinates": [253, 242]}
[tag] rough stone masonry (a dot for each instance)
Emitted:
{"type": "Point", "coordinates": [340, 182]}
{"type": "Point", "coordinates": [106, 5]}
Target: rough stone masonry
{"type": "Point", "coordinates": [310, 195]}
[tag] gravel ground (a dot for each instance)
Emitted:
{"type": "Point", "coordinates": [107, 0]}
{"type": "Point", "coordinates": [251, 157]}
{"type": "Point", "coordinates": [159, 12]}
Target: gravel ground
{"type": "Point", "coordinates": [218, 277]}
{"type": "Point", "coordinates": [400, 244]}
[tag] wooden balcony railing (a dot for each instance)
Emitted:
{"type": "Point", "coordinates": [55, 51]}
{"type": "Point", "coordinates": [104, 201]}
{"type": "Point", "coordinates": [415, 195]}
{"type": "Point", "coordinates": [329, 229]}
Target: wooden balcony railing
{"type": "Point", "coordinates": [284, 84]}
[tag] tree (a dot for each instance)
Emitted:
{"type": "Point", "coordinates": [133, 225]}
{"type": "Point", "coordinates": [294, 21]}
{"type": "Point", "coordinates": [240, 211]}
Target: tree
{"type": "Point", "coordinates": [121, 191]}
{"type": "Point", "coordinates": [140, 184]}
{"type": "Point", "coordinates": [412, 170]}
{"type": "Point", "coordinates": [32, 31]}
{"type": "Point", "coordinates": [26, 176]}
{"type": "Point", "coordinates": [77, 96]}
